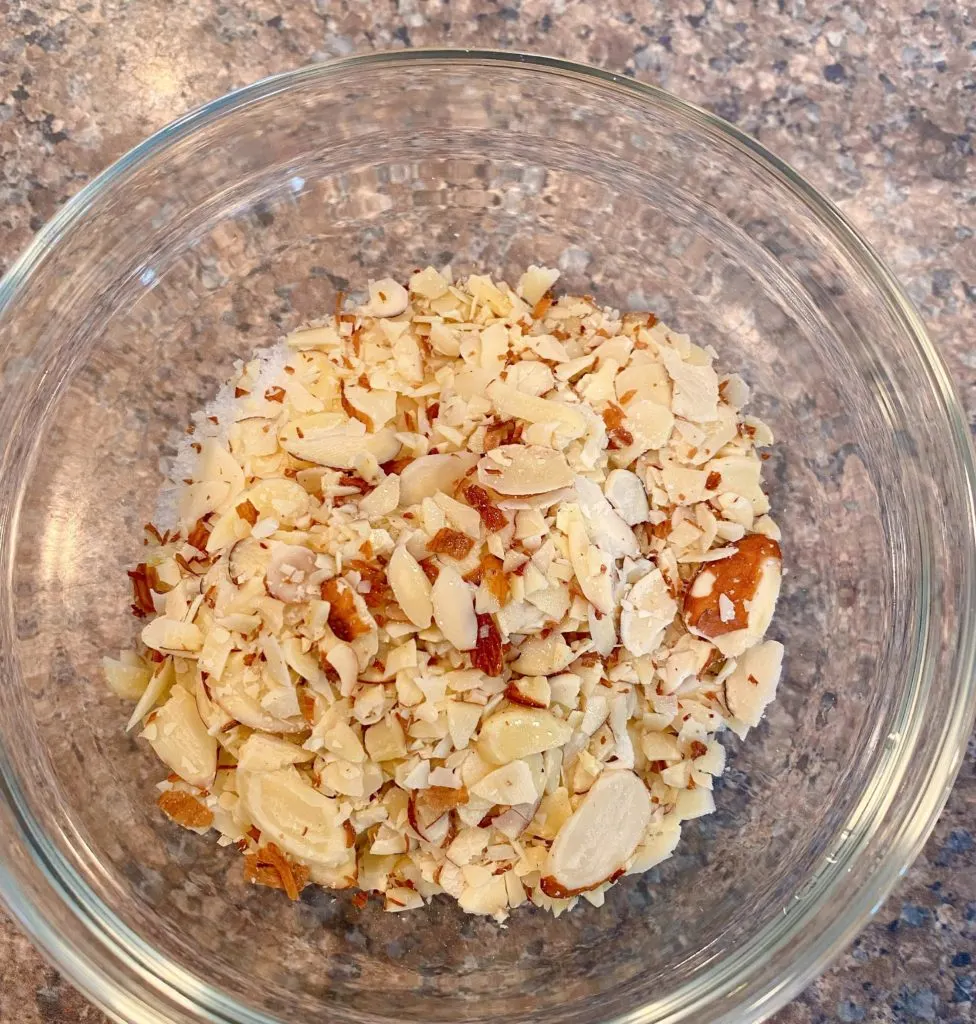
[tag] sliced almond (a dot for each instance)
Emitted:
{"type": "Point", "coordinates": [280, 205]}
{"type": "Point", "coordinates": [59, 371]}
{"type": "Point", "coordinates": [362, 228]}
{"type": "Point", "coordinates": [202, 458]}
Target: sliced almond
{"type": "Point", "coordinates": [752, 684]}
{"type": "Point", "coordinates": [453, 605]}
{"type": "Point", "coordinates": [627, 495]}
{"type": "Point", "coordinates": [596, 843]}
{"type": "Point", "coordinates": [604, 526]}
{"type": "Point", "coordinates": [518, 732]}
{"type": "Point", "coordinates": [263, 753]}
{"type": "Point", "coordinates": [431, 474]}
{"type": "Point", "coordinates": [411, 588]}
{"type": "Point", "coordinates": [386, 741]}
{"type": "Point", "coordinates": [180, 739]}
{"type": "Point", "coordinates": [289, 811]}
{"type": "Point", "coordinates": [238, 692]}
{"type": "Point", "coordinates": [462, 721]}
{"type": "Point", "coordinates": [510, 403]}
{"type": "Point", "coordinates": [168, 635]}
{"type": "Point", "coordinates": [524, 470]}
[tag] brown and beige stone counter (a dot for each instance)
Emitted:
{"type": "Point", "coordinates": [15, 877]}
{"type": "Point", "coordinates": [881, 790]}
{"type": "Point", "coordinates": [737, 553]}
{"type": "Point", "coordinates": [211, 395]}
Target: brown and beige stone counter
{"type": "Point", "coordinates": [874, 102]}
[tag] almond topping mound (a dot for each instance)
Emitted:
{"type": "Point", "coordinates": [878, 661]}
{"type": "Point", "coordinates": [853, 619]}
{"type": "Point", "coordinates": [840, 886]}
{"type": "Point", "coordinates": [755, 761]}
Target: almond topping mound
{"type": "Point", "coordinates": [461, 588]}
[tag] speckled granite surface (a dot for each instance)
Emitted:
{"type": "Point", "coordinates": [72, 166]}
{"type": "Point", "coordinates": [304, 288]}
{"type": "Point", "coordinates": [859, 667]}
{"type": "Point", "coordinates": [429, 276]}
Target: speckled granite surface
{"type": "Point", "coordinates": [874, 102]}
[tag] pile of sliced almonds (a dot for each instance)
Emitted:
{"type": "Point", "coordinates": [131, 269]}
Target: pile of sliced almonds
{"type": "Point", "coordinates": [459, 603]}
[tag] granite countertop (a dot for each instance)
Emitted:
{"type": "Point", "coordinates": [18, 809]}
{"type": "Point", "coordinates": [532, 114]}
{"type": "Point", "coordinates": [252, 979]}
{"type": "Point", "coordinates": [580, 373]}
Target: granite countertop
{"type": "Point", "coordinates": [874, 102]}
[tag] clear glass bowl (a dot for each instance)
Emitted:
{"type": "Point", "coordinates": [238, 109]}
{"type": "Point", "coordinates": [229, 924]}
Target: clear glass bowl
{"type": "Point", "coordinates": [237, 222]}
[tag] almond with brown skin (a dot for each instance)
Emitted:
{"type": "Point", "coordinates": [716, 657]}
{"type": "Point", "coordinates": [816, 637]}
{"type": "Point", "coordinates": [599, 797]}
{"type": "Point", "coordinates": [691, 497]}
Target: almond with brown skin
{"type": "Point", "coordinates": [749, 580]}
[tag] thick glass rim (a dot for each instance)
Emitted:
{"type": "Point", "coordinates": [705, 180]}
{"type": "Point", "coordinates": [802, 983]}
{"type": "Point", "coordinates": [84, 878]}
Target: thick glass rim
{"type": "Point", "coordinates": [141, 979]}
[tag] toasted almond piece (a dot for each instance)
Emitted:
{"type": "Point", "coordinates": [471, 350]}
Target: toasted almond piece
{"type": "Point", "coordinates": [510, 784]}
{"type": "Point", "coordinates": [531, 378]}
{"type": "Point", "coordinates": [159, 686]}
{"type": "Point", "coordinates": [513, 404]}
{"type": "Point", "coordinates": [524, 469]}
{"type": "Point", "coordinates": [185, 809]}
{"type": "Point", "coordinates": [529, 691]}
{"type": "Point", "coordinates": [752, 684]}
{"type": "Point", "coordinates": [410, 587]}
{"type": "Point", "coordinates": [749, 579]}
{"type": "Point", "coordinates": [428, 284]}
{"type": "Point", "coordinates": [693, 803]}
{"type": "Point", "coordinates": [627, 495]}
{"type": "Point", "coordinates": [289, 811]}
{"type": "Point", "coordinates": [430, 474]}
{"type": "Point", "coordinates": [387, 298]}
{"type": "Point", "coordinates": [342, 658]}
{"type": "Point", "coordinates": [288, 572]}
{"type": "Point", "coordinates": [518, 732]}
{"type": "Point", "coordinates": [453, 605]}
{"type": "Point", "coordinates": [490, 899]}
{"type": "Point", "coordinates": [373, 405]}
{"type": "Point", "coordinates": [543, 655]}
{"type": "Point", "coordinates": [594, 846]}
{"type": "Point", "coordinates": [180, 739]}
{"type": "Point", "coordinates": [695, 388]}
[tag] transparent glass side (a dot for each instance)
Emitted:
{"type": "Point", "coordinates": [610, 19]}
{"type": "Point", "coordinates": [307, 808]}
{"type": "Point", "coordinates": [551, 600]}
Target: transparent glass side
{"type": "Point", "coordinates": [238, 233]}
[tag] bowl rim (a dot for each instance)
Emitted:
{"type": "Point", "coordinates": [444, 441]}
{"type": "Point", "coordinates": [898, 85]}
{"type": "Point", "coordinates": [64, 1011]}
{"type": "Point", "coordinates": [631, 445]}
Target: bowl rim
{"type": "Point", "coordinates": [133, 992]}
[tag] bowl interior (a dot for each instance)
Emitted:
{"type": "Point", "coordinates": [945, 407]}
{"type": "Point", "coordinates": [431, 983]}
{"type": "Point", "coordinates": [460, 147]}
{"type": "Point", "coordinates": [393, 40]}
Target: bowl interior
{"type": "Point", "coordinates": [238, 232]}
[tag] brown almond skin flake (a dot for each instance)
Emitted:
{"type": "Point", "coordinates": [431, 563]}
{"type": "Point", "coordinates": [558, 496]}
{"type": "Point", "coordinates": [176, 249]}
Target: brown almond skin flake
{"type": "Point", "coordinates": [141, 594]}
{"type": "Point", "coordinates": [712, 480]}
{"type": "Point", "coordinates": [275, 394]}
{"type": "Point", "coordinates": [452, 543]}
{"type": "Point", "coordinates": [487, 654]}
{"type": "Point", "coordinates": [199, 535]}
{"type": "Point", "coordinates": [269, 866]}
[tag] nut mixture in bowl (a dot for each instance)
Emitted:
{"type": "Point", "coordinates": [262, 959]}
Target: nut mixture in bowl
{"type": "Point", "coordinates": [463, 585]}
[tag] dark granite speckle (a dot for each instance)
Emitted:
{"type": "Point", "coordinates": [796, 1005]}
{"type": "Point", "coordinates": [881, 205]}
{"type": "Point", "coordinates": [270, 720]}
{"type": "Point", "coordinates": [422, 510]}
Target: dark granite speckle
{"type": "Point", "coordinates": [874, 102]}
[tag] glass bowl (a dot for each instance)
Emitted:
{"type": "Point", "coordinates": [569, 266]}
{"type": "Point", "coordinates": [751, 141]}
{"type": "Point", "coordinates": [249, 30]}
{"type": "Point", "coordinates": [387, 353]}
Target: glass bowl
{"type": "Point", "coordinates": [237, 222]}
